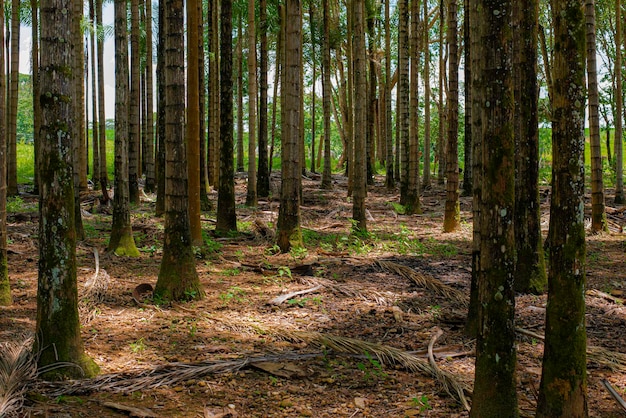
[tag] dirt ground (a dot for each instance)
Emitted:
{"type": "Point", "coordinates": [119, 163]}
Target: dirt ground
{"type": "Point", "coordinates": [315, 345]}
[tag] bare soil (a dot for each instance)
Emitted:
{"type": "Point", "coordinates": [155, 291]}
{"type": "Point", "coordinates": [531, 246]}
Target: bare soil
{"type": "Point", "coordinates": [355, 299]}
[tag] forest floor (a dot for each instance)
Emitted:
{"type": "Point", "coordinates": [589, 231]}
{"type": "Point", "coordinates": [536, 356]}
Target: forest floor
{"type": "Point", "coordinates": [325, 353]}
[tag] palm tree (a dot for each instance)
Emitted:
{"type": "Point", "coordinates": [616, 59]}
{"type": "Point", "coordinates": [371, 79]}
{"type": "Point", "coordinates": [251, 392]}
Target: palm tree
{"type": "Point", "coordinates": [326, 95]}
{"type": "Point", "coordinates": [359, 191]}
{"type": "Point", "coordinates": [178, 279]}
{"type": "Point", "coordinates": [288, 231]}
{"type": "Point", "coordinates": [403, 89]}
{"type": "Point", "coordinates": [390, 180]}
{"type": "Point", "coordinates": [150, 185]}
{"type": "Point", "coordinates": [104, 176]}
{"type": "Point", "coordinates": [133, 111]}
{"type": "Point", "coordinates": [426, 46]}
{"type": "Point", "coordinates": [58, 326]}
{"type": "Point", "coordinates": [12, 98]}
{"type": "Point", "coordinates": [263, 178]}
{"type": "Point", "coordinates": [562, 392]}
{"type": "Point", "coordinates": [121, 241]}
{"type": "Point", "coordinates": [5, 288]}
{"type": "Point", "coordinates": [495, 383]}
{"type": "Point", "coordinates": [619, 164]}
{"type": "Point", "coordinates": [412, 203]}
{"type": "Point", "coordinates": [226, 215]}
{"type": "Point", "coordinates": [251, 195]}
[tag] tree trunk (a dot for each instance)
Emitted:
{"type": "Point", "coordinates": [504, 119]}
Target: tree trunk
{"type": "Point", "coordinates": [390, 181]}
{"type": "Point", "coordinates": [12, 99]}
{"type": "Point", "coordinates": [441, 138]}
{"type": "Point", "coordinates": [226, 215]}
{"type": "Point", "coordinates": [251, 195]}
{"type": "Point", "coordinates": [617, 117]}
{"type": "Point", "coordinates": [102, 142]}
{"type": "Point", "coordinates": [452, 219]}
{"type": "Point", "coordinates": [95, 123]}
{"type": "Point", "coordinates": [133, 111]}
{"type": "Point", "coordinates": [495, 383]}
{"type": "Point", "coordinates": [288, 233]}
{"type": "Point", "coordinates": [78, 125]}
{"type": "Point", "coordinates": [370, 17]}
{"type": "Point", "coordinates": [326, 96]}
{"type": "Point", "coordinates": [598, 213]}
{"type": "Point", "coordinates": [412, 204]}
{"type": "Point", "coordinates": [193, 123]}
{"type": "Point", "coordinates": [148, 158]}
{"type": "Point", "coordinates": [563, 388]}
{"type": "Point", "coordinates": [469, 134]}
{"type": "Point", "coordinates": [426, 45]}
{"type": "Point", "coordinates": [359, 172]}
{"type": "Point", "coordinates": [312, 28]}
{"type": "Point", "coordinates": [160, 143]}
{"type": "Point", "coordinates": [58, 327]}
{"type": "Point", "coordinates": [239, 60]}
{"type": "Point", "coordinates": [403, 89]}
{"type": "Point", "coordinates": [214, 93]}
{"type": "Point", "coordinates": [5, 287]}
{"type": "Point", "coordinates": [530, 270]}
{"type": "Point", "coordinates": [34, 6]}
{"type": "Point", "coordinates": [121, 241]}
{"type": "Point", "coordinates": [178, 279]}
{"type": "Point", "coordinates": [263, 179]}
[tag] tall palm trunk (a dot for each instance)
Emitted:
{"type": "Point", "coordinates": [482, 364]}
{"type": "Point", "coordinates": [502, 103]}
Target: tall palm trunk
{"type": "Point", "coordinates": [263, 179]}
{"type": "Point", "coordinates": [5, 287]}
{"type": "Point", "coordinates": [390, 180]}
{"type": "Point", "coordinates": [251, 195]}
{"type": "Point", "coordinates": [427, 92]}
{"type": "Point", "coordinates": [326, 95]}
{"type": "Point", "coordinates": [104, 176]}
{"type": "Point", "coordinates": [403, 89]}
{"type": "Point", "coordinates": [413, 182]}
{"type": "Point", "coordinates": [618, 116]}
{"type": "Point", "coordinates": [148, 157]}
{"type": "Point", "coordinates": [13, 98]}
{"type": "Point", "coordinates": [78, 126]}
{"type": "Point", "coordinates": [95, 125]}
{"type": "Point", "coordinates": [360, 118]}
{"type": "Point", "coordinates": [134, 126]}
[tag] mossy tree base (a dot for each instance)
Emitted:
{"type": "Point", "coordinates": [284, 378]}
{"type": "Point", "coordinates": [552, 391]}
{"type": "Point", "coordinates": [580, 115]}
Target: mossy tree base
{"type": "Point", "coordinates": [126, 247]}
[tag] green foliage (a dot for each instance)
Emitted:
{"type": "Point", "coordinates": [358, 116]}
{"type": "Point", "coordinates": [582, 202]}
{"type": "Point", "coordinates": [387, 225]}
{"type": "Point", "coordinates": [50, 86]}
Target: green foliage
{"type": "Point", "coordinates": [422, 403]}
{"type": "Point", "coordinates": [372, 368]}
{"type": "Point", "coordinates": [138, 346]}
{"type": "Point", "coordinates": [17, 204]}
{"type": "Point", "coordinates": [234, 293]}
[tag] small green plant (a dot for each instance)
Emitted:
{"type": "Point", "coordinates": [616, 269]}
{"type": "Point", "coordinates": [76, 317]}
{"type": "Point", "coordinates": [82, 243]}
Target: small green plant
{"type": "Point", "coordinates": [422, 403]}
{"type": "Point", "coordinates": [298, 253]}
{"type": "Point", "coordinates": [273, 250]}
{"type": "Point", "coordinates": [234, 293]}
{"type": "Point", "coordinates": [435, 311]}
{"type": "Point", "coordinates": [192, 326]}
{"type": "Point", "coordinates": [149, 249]}
{"type": "Point", "coordinates": [398, 208]}
{"type": "Point", "coordinates": [17, 204]}
{"type": "Point", "coordinates": [284, 271]}
{"type": "Point", "coordinates": [68, 399]}
{"type": "Point", "coordinates": [230, 272]}
{"type": "Point", "coordinates": [273, 380]}
{"type": "Point", "coordinates": [372, 368]}
{"type": "Point", "coordinates": [138, 346]}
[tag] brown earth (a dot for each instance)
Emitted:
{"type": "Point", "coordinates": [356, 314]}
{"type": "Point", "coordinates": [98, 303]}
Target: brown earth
{"type": "Point", "coordinates": [356, 299]}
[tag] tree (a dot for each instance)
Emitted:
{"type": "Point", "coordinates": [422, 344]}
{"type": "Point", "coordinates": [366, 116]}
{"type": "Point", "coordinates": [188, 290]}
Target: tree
{"type": "Point", "coordinates": [226, 215]}
{"type": "Point", "coordinates": [102, 142]}
{"type": "Point", "coordinates": [598, 213]}
{"type": "Point", "coordinates": [150, 185]}
{"type": "Point", "coordinates": [178, 279]}
{"type": "Point", "coordinates": [121, 241]}
{"type": "Point", "coordinates": [95, 125]}
{"type": "Point", "coordinates": [326, 94]}
{"type": "Point", "coordinates": [562, 392]}
{"type": "Point", "coordinates": [193, 122]}
{"type": "Point", "coordinates": [251, 195]}
{"type": "Point", "coordinates": [214, 93]}
{"type": "Point", "coordinates": [133, 110]}
{"type": "Point", "coordinates": [452, 218]}
{"type": "Point", "coordinates": [413, 191]}
{"type": "Point", "coordinates": [469, 137]}
{"type": "Point", "coordinates": [494, 383]}
{"type": "Point", "coordinates": [359, 191]}
{"type": "Point", "coordinates": [34, 7]}
{"type": "Point", "coordinates": [619, 163]}
{"type": "Point", "coordinates": [263, 178]}
{"type": "Point", "coordinates": [426, 45]}
{"type": "Point", "coordinates": [5, 288]}
{"type": "Point", "coordinates": [78, 125]}
{"type": "Point", "coordinates": [403, 90]}
{"type": "Point", "coordinates": [530, 270]}
{"type": "Point", "coordinates": [58, 326]}
{"type": "Point", "coordinates": [390, 181]}
{"type": "Point", "coordinates": [13, 90]}
{"type": "Point", "coordinates": [288, 231]}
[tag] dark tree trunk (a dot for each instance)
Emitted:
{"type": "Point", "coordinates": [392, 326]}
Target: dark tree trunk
{"type": "Point", "coordinates": [563, 389]}
{"type": "Point", "coordinates": [263, 179]}
{"type": "Point", "coordinates": [226, 215]}
{"type": "Point", "coordinates": [58, 325]}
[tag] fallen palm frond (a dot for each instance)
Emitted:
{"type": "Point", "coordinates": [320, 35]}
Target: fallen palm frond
{"type": "Point", "coordinates": [380, 298]}
{"type": "Point", "coordinates": [613, 360]}
{"type": "Point", "coordinates": [384, 354]}
{"type": "Point", "coordinates": [164, 375]}
{"type": "Point", "coordinates": [425, 281]}
{"type": "Point", "coordinates": [18, 368]}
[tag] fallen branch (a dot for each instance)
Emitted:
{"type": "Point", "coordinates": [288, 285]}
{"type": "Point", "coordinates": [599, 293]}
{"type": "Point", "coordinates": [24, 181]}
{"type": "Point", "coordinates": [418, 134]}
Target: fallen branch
{"type": "Point", "coordinates": [606, 296]}
{"type": "Point", "coordinates": [282, 298]}
{"type": "Point", "coordinates": [614, 394]}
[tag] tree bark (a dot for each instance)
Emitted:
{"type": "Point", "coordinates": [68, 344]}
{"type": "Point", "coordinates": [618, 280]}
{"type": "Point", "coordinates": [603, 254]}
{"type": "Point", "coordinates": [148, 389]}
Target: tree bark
{"type": "Point", "coordinates": [359, 171]}
{"type": "Point", "coordinates": [403, 88]}
{"type": "Point", "coordinates": [251, 195]}
{"type": "Point", "coordinates": [5, 287]}
{"type": "Point", "coordinates": [263, 178]}
{"type": "Point", "coordinates": [618, 116]}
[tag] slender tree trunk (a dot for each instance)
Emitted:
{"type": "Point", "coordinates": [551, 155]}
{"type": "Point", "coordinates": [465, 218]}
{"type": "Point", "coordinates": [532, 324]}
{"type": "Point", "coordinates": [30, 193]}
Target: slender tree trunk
{"type": "Point", "coordinates": [426, 177]}
{"type": "Point", "coordinates": [370, 18]}
{"type": "Point", "coordinates": [58, 339]}
{"type": "Point", "coordinates": [495, 382]}
{"type": "Point", "coordinates": [452, 219]}
{"type": "Point", "coordinates": [95, 124]}
{"type": "Point", "coordinates": [148, 158]}
{"type": "Point", "coordinates": [160, 143]}
{"type": "Point", "coordinates": [214, 93]}
{"type": "Point", "coordinates": [390, 181]}
{"type": "Point", "coordinates": [563, 388]}
{"type": "Point", "coordinates": [121, 241]}
{"type": "Point", "coordinates": [102, 143]}
{"type": "Point", "coordinates": [193, 123]}
{"type": "Point", "coordinates": [618, 116]}
{"type": "Point", "coordinates": [78, 125]}
{"type": "Point", "coordinates": [530, 271]}
{"type": "Point", "coordinates": [263, 179]}
{"type": "Point", "coordinates": [467, 160]}
{"type": "Point", "coordinates": [441, 139]}
{"type": "Point", "coordinates": [178, 279]}
{"type": "Point", "coordinates": [5, 287]}
{"type": "Point", "coordinates": [312, 28]}
{"type": "Point", "coordinates": [359, 173]}
{"type": "Point", "coordinates": [326, 95]}
{"type": "Point", "coordinates": [403, 89]}
{"type": "Point", "coordinates": [226, 215]}
{"type": "Point", "coordinates": [13, 98]}
{"type": "Point", "coordinates": [413, 182]}
{"type": "Point", "coordinates": [251, 195]}
{"type": "Point", "coordinates": [239, 60]}
{"type": "Point", "coordinates": [133, 112]}
{"type": "Point", "coordinates": [288, 233]}
{"type": "Point", "coordinates": [277, 77]}
{"type": "Point", "coordinates": [35, 77]}
{"type": "Point", "coordinates": [598, 213]}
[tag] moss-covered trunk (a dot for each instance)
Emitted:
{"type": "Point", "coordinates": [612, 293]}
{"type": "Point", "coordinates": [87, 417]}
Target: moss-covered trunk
{"type": "Point", "coordinates": [178, 279]}
{"type": "Point", "coordinates": [495, 383]}
{"type": "Point", "coordinates": [563, 388]}
{"type": "Point", "coordinates": [58, 326]}
{"type": "Point", "coordinates": [121, 241]}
